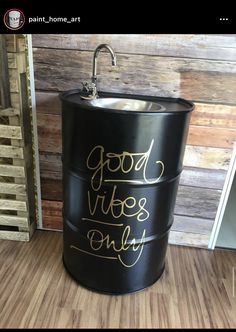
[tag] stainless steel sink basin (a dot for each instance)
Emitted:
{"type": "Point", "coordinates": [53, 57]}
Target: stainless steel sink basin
{"type": "Point", "coordinates": [126, 104]}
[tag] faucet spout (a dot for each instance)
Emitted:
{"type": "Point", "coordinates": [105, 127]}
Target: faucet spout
{"type": "Point", "coordinates": [95, 57]}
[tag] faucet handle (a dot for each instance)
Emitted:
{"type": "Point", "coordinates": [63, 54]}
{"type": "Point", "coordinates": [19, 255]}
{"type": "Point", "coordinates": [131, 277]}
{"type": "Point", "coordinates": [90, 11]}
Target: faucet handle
{"type": "Point", "coordinates": [86, 86]}
{"type": "Point", "coordinates": [89, 90]}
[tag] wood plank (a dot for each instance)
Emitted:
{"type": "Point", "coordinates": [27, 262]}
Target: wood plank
{"type": "Point", "coordinates": [202, 177]}
{"type": "Point", "coordinates": [4, 75]}
{"type": "Point", "coordinates": [188, 224]}
{"type": "Point", "coordinates": [12, 62]}
{"type": "Point", "coordinates": [214, 115]}
{"type": "Point", "coordinates": [9, 220]}
{"type": "Point", "coordinates": [203, 46]}
{"type": "Point", "coordinates": [12, 188]}
{"type": "Point", "coordinates": [15, 43]}
{"type": "Point", "coordinates": [14, 171]}
{"type": "Point", "coordinates": [193, 79]}
{"type": "Point", "coordinates": [15, 101]}
{"type": "Point", "coordinates": [50, 166]}
{"type": "Point", "coordinates": [15, 236]}
{"type": "Point", "coordinates": [197, 202]}
{"type": "Point", "coordinates": [51, 189]}
{"type": "Point", "coordinates": [52, 222]}
{"type": "Point", "coordinates": [48, 103]}
{"type": "Point", "coordinates": [9, 111]}
{"type": "Point", "coordinates": [11, 204]}
{"type": "Point", "coordinates": [211, 136]}
{"type": "Point", "coordinates": [52, 208]}
{"type": "Point", "coordinates": [207, 157]}
{"type": "Point", "coordinates": [49, 133]}
{"type": "Point", "coordinates": [189, 239]}
{"type": "Point", "coordinates": [7, 131]}
{"type": "Point", "coordinates": [52, 215]}
{"type": "Point", "coordinates": [28, 150]}
{"type": "Point", "coordinates": [8, 151]}
{"type": "Point", "coordinates": [14, 81]}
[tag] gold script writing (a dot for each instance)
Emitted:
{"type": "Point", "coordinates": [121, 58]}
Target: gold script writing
{"type": "Point", "coordinates": [108, 203]}
{"type": "Point", "coordinates": [125, 162]}
{"type": "Point", "coordinates": [129, 207]}
{"type": "Point", "coordinates": [98, 240]}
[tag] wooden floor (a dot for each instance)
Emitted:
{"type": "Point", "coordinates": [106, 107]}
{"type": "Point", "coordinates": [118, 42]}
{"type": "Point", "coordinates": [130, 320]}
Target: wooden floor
{"type": "Point", "coordinates": [196, 290]}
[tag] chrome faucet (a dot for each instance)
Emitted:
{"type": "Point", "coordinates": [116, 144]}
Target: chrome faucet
{"type": "Point", "coordinates": [91, 88]}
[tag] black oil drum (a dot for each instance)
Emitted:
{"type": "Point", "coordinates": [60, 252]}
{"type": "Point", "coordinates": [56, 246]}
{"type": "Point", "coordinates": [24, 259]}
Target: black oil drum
{"type": "Point", "coordinates": [122, 159]}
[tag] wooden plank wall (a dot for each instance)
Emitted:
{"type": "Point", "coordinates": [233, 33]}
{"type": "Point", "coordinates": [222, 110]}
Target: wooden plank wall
{"type": "Point", "coordinates": [200, 68]}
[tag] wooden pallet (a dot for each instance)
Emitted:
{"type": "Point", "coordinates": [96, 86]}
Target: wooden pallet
{"type": "Point", "coordinates": [17, 190]}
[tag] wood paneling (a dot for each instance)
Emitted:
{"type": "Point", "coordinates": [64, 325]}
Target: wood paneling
{"type": "Point", "coordinates": [52, 208]}
{"type": "Point", "coordinates": [215, 47]}
{"type": "Point", "coordinates": [52, 214]}
{"type": "Point", "coordinates": [214, 115]}
{"type": "Point", "coordinates": [202, 178]}
{"type": "Point", "coordinates": [51, 189]}
{"type": "Point", "coordinates": [195, 291]}
{"type": "Point", "coordinates": [48, 103]}
{"type": "Point", "coordinates": [199, 156]}
{"type": "Point", "coordinates": [189, 239]}
{"type": "Point", "coordinates": [197, 202]}
{"type": "Point", "coordinates": [50, 166]}
{"type": "Point", "coordinates": [192, 225]}
{"type": "Point", "coordinates": [194, 79]}
{"type": "Point", "coordinates": [52, 222]}
{"type": "Point", "coordinates": [209, 136]}
{"type": "Point", "coordinates": [49, 133]}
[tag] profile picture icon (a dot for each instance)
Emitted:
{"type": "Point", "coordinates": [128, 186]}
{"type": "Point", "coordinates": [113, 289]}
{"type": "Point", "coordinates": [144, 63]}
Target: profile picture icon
{"type": "Point", "coordinates": [14, 19]}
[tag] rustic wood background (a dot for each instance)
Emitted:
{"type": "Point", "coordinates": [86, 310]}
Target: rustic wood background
{"type": "Point", "coordinates": [200, 68]}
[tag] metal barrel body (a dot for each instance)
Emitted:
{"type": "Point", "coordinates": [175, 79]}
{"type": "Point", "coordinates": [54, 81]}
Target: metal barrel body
{"type": "Point", "coordinates": [120, 179]}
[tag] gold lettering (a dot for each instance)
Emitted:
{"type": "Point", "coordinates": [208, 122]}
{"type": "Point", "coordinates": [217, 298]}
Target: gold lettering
{"type": "Point", "coordinates": [124, 162]}
{"type": "Point", "coordinates": [118, 208]}
{"type": "Point", "coordinates": [109, 204]}
{"type": "Point", "coordinates": [97, 240]}
{"type": "Point", "coordinates": [98, 167]}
